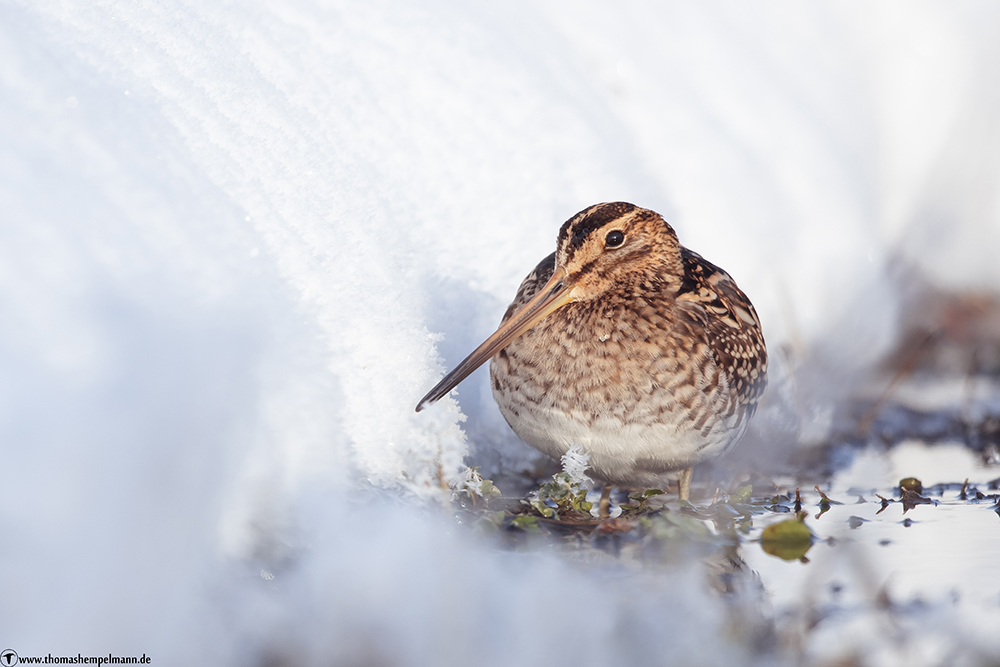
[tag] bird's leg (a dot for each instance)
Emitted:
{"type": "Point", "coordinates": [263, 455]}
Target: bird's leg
{"type": "Point", "coordinates": [684, 483]}
{"type": "Point", "coordinates": [604, 507]}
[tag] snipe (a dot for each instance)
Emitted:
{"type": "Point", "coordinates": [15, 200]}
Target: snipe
{"type": "Point", "coordinates": [628, 344]}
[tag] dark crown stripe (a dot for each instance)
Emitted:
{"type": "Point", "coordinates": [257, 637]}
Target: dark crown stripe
{"type": "Point", "coordinates": [593, 218]}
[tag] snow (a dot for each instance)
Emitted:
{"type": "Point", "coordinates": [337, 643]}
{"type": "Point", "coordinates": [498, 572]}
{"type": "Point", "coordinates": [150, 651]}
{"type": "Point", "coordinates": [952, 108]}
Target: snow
{"type": "Point", "coordinates": [239, 241]}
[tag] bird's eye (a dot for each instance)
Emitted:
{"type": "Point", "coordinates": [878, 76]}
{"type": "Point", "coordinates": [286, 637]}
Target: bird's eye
{"type": "Point", "coordinates": [614, 239]}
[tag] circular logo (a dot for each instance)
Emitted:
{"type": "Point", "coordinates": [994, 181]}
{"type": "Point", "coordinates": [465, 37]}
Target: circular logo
{"type": "Point", "coordinates": [9, 657]}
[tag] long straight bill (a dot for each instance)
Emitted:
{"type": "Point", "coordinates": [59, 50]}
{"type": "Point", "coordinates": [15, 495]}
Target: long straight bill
{"type": "Point", "coordinates": [552, 296]}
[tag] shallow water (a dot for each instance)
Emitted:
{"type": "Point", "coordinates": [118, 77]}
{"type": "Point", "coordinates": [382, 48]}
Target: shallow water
{"type": "Point", "coordinates": [898, 582]}
{"type": "Point", "coordinates": [884, 582]}
{"type": "Point", "coordinates": [888, 586]}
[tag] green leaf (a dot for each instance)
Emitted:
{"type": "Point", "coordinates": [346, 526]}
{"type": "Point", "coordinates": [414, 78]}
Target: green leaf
{"type": "Point", "coordinates": [540, 507]}
{"type": "Point", "coordinates": [911, 484]}
{"type": "Point", "coordinates": [742, 495]}
{"type": "Point", "coordinates": [788, 540]}
{"type": "Point", "coordinates": [488, 489]}
{"type": "Point", "coordinates": [674, 526]}
{"type": "Point", "coordinates": [558, 493]}
{"type": "Point", "coordinates": [526, 522]}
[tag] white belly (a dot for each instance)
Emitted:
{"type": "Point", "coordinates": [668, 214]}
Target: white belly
{"type": "Point", "coordinates": [621, 453]}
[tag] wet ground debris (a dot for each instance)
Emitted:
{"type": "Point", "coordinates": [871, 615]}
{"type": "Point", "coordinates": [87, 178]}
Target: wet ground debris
{"type": "Point", "coordinates": [640, 499]}
{"type": "Point", "coordinates": [663, 528]}
{"type": "Point", "coordinates": [615, 525]}
{"type": "Point", "coordinates": [561, 499]}
{"type": "Point", "coordinates": [559, 508]}
{"type": "Point", "coordinates": [824, 502]}
{"type": "Point", "coordinates": [911, 499]}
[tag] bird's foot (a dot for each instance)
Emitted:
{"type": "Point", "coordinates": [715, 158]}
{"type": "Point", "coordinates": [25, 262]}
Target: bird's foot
{"type": "Point", "coordinates": [604, 506]}
{"type": "Point", "coordinates": [684, 484]}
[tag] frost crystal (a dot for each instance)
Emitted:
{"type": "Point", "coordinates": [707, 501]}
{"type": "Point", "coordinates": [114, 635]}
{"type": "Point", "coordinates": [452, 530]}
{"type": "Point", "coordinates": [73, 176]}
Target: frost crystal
{"type": "Point", "coordinates": [575, 463]}
{"type": "Point", "coordinates": [472, 481]}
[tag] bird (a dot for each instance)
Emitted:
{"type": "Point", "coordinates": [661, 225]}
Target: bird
{"type": "Point", "coordinates": [628, 345]}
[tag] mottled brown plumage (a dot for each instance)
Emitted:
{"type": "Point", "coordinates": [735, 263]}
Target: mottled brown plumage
{"type": "Point", "coordinates": [626, 343]}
